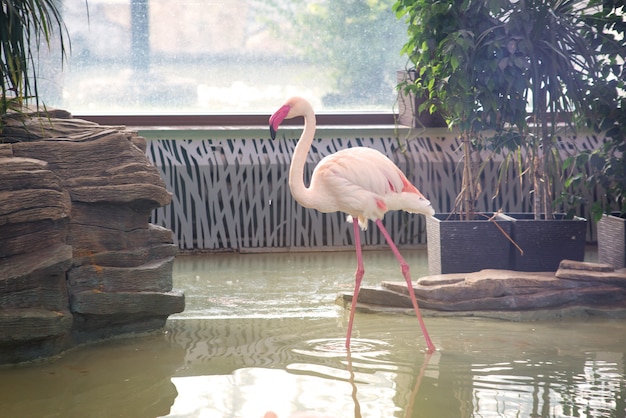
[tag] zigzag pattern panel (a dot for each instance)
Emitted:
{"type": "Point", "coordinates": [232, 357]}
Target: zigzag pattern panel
{"type": "Point", "coordinates": [233, 194]}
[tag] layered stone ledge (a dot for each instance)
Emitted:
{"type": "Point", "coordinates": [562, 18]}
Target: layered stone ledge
{"type": "Point", "coordinates": [577, 288]}
{"type": "Point", "coordinates": [79, 260]}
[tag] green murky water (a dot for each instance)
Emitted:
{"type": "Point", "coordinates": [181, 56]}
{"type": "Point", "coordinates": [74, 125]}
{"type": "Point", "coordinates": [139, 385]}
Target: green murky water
{"type": "Point", "coordinates": [262, 333]}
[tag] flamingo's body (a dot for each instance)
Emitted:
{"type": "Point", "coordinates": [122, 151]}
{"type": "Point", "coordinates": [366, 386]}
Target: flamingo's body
{"type": "Point", "coordinates": [360, 182]}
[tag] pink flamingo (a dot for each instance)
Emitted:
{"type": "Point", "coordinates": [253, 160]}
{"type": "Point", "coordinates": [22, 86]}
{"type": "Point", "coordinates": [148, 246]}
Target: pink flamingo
{"type": "Point", "coordinates": [360, 182]}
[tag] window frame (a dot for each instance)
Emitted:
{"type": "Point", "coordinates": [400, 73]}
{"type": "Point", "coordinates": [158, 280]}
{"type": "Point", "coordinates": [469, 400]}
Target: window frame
{"type": "Point", "coordinates": [363, 119]}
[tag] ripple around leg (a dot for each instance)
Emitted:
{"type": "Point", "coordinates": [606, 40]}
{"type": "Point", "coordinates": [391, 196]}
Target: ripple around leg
{"type": "Point", "coordinates": [335, 347]}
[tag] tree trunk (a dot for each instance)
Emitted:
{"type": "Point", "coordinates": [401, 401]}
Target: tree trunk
{"type": "Point", "coordinates": [467, 198]}
{"type": "Point", "coordinates": [537, 187]}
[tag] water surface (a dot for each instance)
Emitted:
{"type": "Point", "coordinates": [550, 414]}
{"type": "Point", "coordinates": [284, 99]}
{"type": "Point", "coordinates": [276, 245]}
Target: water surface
{"type": "Point", "coordinates": [261, 332]}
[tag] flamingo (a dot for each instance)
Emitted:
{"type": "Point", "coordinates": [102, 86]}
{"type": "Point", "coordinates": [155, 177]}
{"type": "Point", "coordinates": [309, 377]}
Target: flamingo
{"type": "Point", "coordinates": [361, 182]}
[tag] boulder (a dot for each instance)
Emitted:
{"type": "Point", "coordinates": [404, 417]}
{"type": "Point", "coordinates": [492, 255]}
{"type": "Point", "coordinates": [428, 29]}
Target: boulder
{"type": "Point", "coordinates": [576, 288]}
{"type": "Point", "coordinates": [80, 260]}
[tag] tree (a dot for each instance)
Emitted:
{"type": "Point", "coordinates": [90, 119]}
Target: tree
{"type": "Point", "coordinates": [25, 26]}
{"type": "Point", "coordinates": [562, 41]}
{"type": "Point", "coordinates": [454, 46]}
{"type": "Point", "coordinates": [488, 64]}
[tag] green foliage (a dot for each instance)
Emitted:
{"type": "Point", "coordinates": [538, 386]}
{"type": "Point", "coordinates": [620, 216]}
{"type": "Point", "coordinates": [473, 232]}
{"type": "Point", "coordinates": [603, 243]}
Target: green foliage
{"type": "Point", "coordinates": [464, 71]}
{"type": "Point", "coordinates": [457, 48]}
{"type": "Point", "coordinates": [488, 64]}
{"type": "Point", "coordinates": [604, 113]}
{"type": "Point", "coordinates": [25, 25]}
{"type": "Point", "coordinates": [606, 165]}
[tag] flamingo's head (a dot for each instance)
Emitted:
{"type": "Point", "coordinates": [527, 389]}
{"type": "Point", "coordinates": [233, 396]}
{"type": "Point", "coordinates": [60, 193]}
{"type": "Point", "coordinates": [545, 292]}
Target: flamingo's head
{"type": "Point", "coordinates": [295, 106]}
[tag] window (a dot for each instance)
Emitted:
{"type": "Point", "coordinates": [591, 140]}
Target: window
{"type": "Point", "coordinates": [228, 56]}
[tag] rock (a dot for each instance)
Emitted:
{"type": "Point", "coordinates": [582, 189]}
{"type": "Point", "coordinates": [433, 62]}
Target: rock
{"type": "Point", "coordinates": [585, 266]}
{"type": "Point", "coordinates": [31, 237]}
{"type": "Point", "coordinates": [154, 276]}
{"type": "Point", "coordinates": [6, 150]}
{"type": "Point", "coordinates": [19, 206]}
{"type": "Point", "coordinates": [382, 297]}
{"type": "Point", "coordinates": [32, 333]}
{"type": "Point", "coordinates": [576, 287]}
{"type": "Point", "coordinates": [592, 274]}
{"type": "Point", "coordinates": [26, 173]}
{"type": "Point", "coordinates": [35, 317]}
{"type": "Point", "coordinates": [23, 325]}
{"type": "Point", "coordinates": [587, 277]}
{"type": "Point", "coordinates": [125, 258]}
{"type": "Point", "coordinates": [123, 304]}
{"type": "Point", "coordinates": [52, 124]}
{"type": "Point", "coordinates": [107, 168]}
{"type": "Point", "coordinates": [34, 208]}
{"type": "Point", "coordinates": [97, 239]}
{"type": "Point", "coordinates": [79, 259]}
{"type": "Point", "coordinates": [36, 280]}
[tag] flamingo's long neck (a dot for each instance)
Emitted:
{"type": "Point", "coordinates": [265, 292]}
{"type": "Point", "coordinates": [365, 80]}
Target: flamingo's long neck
{"type": "Point", "coordinates": [300, 192]}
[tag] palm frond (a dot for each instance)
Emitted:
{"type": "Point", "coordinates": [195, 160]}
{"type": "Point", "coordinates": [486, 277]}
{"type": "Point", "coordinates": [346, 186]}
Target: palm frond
{"type": "Point", "coordinates": [26, 26]}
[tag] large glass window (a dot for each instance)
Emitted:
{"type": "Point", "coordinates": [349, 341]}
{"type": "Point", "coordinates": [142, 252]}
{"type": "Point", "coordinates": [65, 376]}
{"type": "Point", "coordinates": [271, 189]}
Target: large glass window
{"type": "Point", "coordinates": [228, 56]}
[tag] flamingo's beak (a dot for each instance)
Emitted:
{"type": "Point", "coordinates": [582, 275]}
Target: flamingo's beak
{"type": "Point", "coordinates": [277, 118]}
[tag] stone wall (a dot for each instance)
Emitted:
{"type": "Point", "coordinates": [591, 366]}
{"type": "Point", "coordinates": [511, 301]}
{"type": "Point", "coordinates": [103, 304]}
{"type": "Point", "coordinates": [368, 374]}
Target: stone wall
{"type": "Point", "coordinates": [79, 260]}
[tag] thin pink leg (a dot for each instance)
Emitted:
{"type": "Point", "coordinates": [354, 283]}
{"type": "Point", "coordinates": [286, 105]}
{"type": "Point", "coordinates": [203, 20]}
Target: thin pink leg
{"type": "Point", "coordinates": [358, 276]}
{"type": "Point", "coordinates": [407, 276]}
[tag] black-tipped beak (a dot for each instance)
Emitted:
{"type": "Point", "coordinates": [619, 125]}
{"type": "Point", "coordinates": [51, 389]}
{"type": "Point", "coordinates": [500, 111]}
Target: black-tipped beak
{"type": "Point", "coordinates": [277, 118]}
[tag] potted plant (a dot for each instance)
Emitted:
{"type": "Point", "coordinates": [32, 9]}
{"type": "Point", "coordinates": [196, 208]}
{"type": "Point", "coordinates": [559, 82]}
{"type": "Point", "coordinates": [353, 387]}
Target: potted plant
{"type": "Point", "coordinates": [611, 230]}
{"type": "Point", "coordinates": [485, 65]}
{"type": "Point", "coordinates": [603, 171]}
{"type": "Point", "coordinates": [451, 47]}
{"type": "Point", "coordinates": [562, 45]}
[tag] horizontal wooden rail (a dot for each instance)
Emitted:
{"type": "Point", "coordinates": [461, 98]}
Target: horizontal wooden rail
{"type": "Point", "coordinates": [337, 119]}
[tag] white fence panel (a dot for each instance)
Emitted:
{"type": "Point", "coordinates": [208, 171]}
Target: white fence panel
{"type": "Point", "coordinates": [233, 193]}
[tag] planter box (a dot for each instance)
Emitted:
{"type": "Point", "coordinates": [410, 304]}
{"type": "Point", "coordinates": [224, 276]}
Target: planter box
{"type": "Point", "coordinates": [547, 242]}
{"type": "Point", "coordinates": [464, 246]}
{"type": "Point", "coordinates": [408, 105]}
{"type": "Point", "coordinates": [457, 246]}
{"type": "Point", "coordinates": [612, 241]}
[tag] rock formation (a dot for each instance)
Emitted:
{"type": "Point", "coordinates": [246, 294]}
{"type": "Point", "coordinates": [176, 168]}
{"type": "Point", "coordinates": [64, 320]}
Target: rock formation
{"type": "Point", "coordinates": [576, 288]}
{"type": "Point", "coordinates": [79, 260]}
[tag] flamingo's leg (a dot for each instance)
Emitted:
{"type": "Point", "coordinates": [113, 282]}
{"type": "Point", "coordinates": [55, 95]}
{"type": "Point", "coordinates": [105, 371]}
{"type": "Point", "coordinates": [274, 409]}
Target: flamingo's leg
{"type": "Point", "coordinates": [407, 276]}
{"type": "Point", "coordinates": [358, 276]}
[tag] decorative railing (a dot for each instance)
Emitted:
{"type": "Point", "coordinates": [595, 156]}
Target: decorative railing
{"type": "Point", "coordinates": [232, 194]}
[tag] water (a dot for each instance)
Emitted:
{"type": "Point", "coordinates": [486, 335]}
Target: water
{"type": "Point", "coordinates": [262, 333]}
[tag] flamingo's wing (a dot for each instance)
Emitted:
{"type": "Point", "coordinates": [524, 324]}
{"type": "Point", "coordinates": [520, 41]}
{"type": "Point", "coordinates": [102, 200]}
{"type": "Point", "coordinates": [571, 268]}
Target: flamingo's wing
{"type": "Point", "coordinates": [358, 181]}
{"type": "Point", "coordinates": [364, 168]}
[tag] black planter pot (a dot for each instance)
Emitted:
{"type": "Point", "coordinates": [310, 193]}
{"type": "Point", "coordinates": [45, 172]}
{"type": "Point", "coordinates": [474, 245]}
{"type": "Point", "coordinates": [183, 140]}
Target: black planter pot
{"type": "Point", "coordinates": [461, 246]}
{"type": "Point", "coordinates": [464, 246]}
{"type": "Point", "coordinates": [612, 240]}
{"type": "Point", "coordinates": [547, 242]}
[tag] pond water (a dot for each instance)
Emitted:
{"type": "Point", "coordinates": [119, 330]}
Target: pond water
{"type": "Point", "coordinates": [262, 337]}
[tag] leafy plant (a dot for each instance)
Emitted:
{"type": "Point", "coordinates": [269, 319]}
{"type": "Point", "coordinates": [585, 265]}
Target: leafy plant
{"type": "Point", "coordinates": [605, 166]}
{"type": "Point", "coordinates": [562, 42]}
{"type": "Point", "coordinates": [606, 115]}
{"type": "Point", "coordinates": [456, 48]}
{"type": "Point", "coordinates": [25, 25]}
{"type": "Point", "coordinates": [524, 68]}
